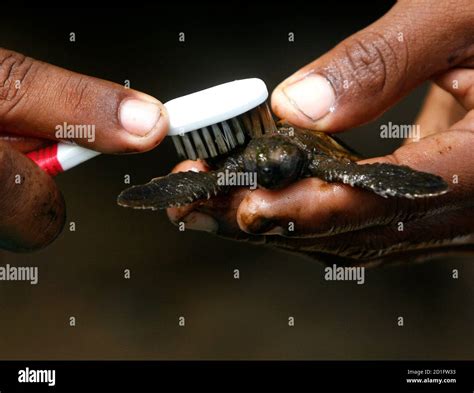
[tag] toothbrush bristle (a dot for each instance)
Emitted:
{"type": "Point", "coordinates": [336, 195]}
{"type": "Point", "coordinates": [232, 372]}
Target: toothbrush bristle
{"type": "Point", "coordinates": [239, 133]}
{"type": "Point", "coordinates": [178, 146]}
{"type": "Point", "coordinates": [268, 123]}
{"type": "Point", "coordinates": [228, 135]}
{"type": "Point", "coordinates": [256, 124]}
{"type": "Point", "coordinates": [223, 137]}
{"type": "Point", "coordinates": [209, 142]}
{"type": "Point", "coordinates": [247, 123]}
{"type": "Point", "coordinates": [219, 138]}
{"type": "Point", "coordinates": [199, 144]}
{"type": "Point", "coordinates": [190, 152]}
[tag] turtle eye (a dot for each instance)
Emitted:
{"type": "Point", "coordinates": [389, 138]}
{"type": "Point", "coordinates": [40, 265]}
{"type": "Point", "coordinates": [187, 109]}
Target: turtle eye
{"type": "Point", "coordinates": [267, 170]}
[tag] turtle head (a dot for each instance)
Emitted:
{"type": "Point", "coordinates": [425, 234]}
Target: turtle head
{"type": "Point", "coordinates": [276, 161]}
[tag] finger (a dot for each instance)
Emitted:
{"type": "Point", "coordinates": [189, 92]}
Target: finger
{"type": "Point", "coordinates": [45, 101]}
{"type": "Point", "coordinates": [177, 214]}
{"type": "Point", "coordinates": [460, 83]}
{"type": "Point", "coordinates": [24, 144]}
{"type": "Point", "coordinates": [312, 207]}
{"type": "Point", "coordinates": [223, 210]}
{"type": "Point", "coordinates": [217, 215]}
{"type": "Point", "coordinates": [380, 243]}
{"type": "Point", "coordinates": [439, 112]}
{"type": "Point", "coordinates": [368, 72]}
{"type": "Point", "coordinates": [32, 208]}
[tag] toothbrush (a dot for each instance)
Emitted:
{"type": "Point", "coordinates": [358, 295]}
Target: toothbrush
{"type": "Point", "coordinates": [61, 157]}
{"type": "Point", "coordinates": [204, 124]}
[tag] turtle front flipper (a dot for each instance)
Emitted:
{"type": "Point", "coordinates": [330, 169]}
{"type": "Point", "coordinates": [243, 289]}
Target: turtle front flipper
{"type": "Point", "coordinates": [173, 190]}
{"type": "Point", "coordinates": [383, 179]}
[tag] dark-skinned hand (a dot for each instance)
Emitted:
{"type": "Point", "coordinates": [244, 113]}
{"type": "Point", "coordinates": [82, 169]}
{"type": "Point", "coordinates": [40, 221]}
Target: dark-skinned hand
{"type": "Point", "coordinates": [35, 97]}
{"type": "Point", "coordinates": [416, 41]}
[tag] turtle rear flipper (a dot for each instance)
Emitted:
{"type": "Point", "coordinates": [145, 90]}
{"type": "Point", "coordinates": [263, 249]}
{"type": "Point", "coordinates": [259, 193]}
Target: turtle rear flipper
{"type": "Point", "coordinates": [173, 190]}
{"type": "Point", "coordinates": [383, 179]}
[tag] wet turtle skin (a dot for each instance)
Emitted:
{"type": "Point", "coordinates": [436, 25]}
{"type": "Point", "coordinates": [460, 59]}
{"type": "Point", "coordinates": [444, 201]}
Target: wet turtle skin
{"type": "Point", "coordinates": [279, 159]}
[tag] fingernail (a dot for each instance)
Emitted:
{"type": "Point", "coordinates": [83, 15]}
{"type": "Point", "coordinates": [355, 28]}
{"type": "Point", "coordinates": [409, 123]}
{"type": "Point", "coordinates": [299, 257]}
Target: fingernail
{"type": "Point", "coordinates": [313, 96]}
{"type": "Point", "coordinates": [200, 222]}
{"type": "Point", "coordinates": [138, 117]}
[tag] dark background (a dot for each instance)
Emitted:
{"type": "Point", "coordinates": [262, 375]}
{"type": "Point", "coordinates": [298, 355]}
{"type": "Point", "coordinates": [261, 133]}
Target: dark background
{"type": "Point", "coordinates": [189, 273]}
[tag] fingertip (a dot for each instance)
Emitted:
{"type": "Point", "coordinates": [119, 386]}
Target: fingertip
{"type": "Point", "coordinates": [254, 214]}
{"type": "Point", "coordinates": [284, 109]}
{"type": "Point", "coordinates": [307, 103]}
{"type": "Point", "coordinates": [176, 214]}
{"type": "Point", "coordinates": [145, 122]}
{"type": "Point", "coordinates": [459, 82]}
{"type": "Point", "coordinates": [190, 165]}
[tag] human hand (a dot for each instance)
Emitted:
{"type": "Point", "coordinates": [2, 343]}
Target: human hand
{"type": "Point", "coordinates": [35, 98]}
{"type": "Point", "coordinates": [351, 85]}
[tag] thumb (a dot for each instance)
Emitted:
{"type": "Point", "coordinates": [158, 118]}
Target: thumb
{"type": "Point", "coordinates": [370, 71]}
{"type": "Point", "coordinates": [42, 100]}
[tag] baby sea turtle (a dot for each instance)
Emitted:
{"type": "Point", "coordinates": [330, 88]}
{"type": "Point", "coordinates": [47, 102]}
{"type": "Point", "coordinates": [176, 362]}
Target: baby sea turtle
{"type": "Point", "coordinates": [278, 159]}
